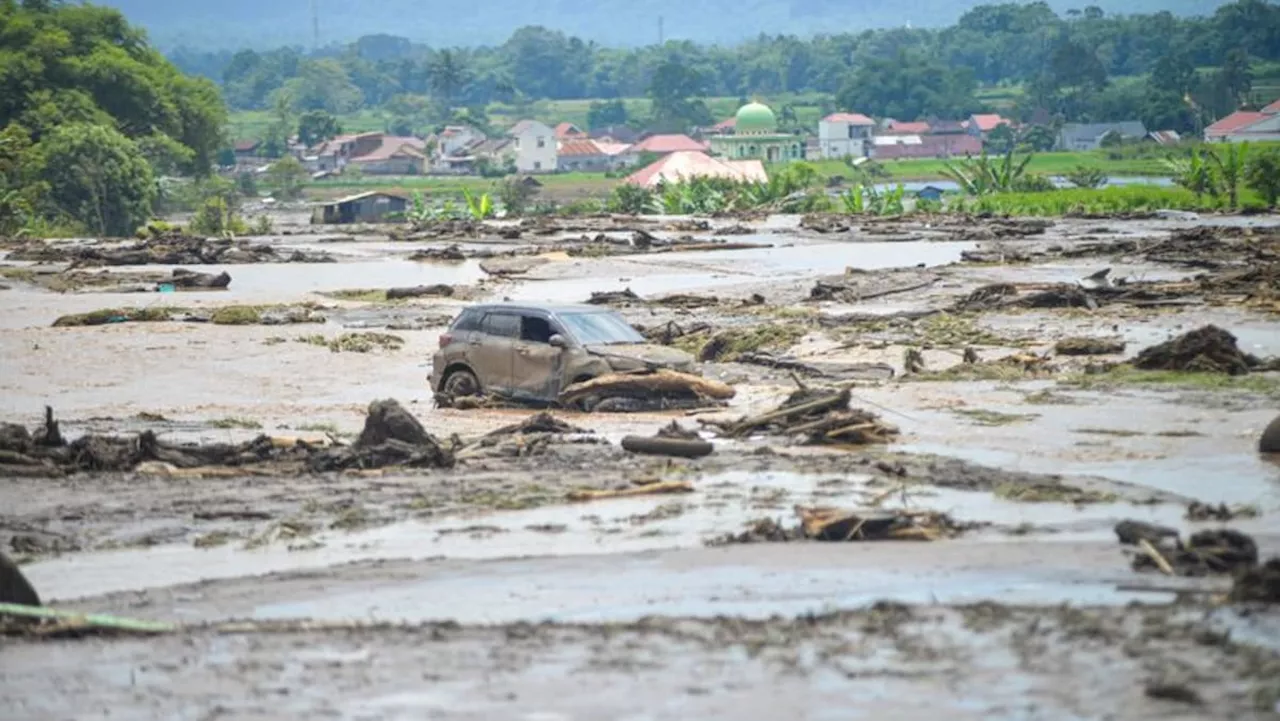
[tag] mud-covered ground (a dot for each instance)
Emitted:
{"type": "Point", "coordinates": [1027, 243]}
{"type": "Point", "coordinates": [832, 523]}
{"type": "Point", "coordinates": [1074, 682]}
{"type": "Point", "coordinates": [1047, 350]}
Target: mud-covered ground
{"type": "Point", "coordinates": [1032, 449]}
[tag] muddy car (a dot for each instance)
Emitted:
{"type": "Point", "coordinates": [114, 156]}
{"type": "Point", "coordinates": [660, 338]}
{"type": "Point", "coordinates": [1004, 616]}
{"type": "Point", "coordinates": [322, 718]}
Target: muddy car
{"type": "Point", "coordinates": [532, 352]}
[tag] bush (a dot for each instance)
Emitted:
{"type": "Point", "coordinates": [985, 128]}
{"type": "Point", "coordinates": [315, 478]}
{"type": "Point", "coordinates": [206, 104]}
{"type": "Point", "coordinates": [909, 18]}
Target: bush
{"type": "Point", "coordinates": [630, 199]}
{"type": "Point", "coordinates": [1087, 177]}
{"type": "Point", "coordinates": [1034, 183]}
{"type": "Point", "coordinates": [216, 218]}
{"type": "Point", "coordinates": [515, 195]}
{"type": "Point", "coordinates": [1262, 175]}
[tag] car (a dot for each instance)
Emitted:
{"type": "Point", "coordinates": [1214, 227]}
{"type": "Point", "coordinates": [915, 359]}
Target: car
{"type": "Point", "coordinates": [533, 352]}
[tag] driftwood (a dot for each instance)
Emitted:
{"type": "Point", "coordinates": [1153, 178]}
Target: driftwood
{"type": "Point", "coordinates": [819, 417]}
{"type": "Point", "coordinates": [650, 489]}
{"type": "Point", "coordinates": [647, 383]}
{"type": "Point", "coordinates": [833, 524]}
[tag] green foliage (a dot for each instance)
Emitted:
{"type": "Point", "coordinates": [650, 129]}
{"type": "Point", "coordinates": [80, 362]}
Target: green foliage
{"type": "Point", "coordinates": [1263, 176]}
{"type": "Point", "coordinates": [97, 177]}
{"type": "Point", "coordinates": [631, 199]}
{"type": "Point", "coordinates": [1001, 140]}
{"type": "Point", "coordinates": [515, 196]}
{"type": "Point", "coordinates": [1194, 172]}
{"type": "Point", "coordinates": [19, 194]}
{"type": "Point", "coordinates": [853, 200]}
{"type": "Point", "coordinates": [1229, 168]}
{"type": "Point", "coordinates": [1033, 183]}
{"type": "Point", "coordinates": [317, 126]}
{"type": "Point", "coordinates": [1084, 176]}
{"type": "Point", "coordinates": [983, 176]}
{"type": "Point", "coordinates": [909, 85]}
{"type": "Point", "coordinates": [68, 65]}
{"type": "Point", "coordinates": [217, 217]}
{"type": "Point", "coordinates": [605, 113]}
{"type": "Point", "coordinates": [288, 176]}
{"type": "Point", "coordinates": [1038, 138]}
{"type": "Point", "coordinates": [1078, 201]}
{"type": "Point", "coordinates": [247, 184]}
{"type": "Point", "coordinates": [479, 207]}
{"type": "Point", "coordinates": [673, 91]}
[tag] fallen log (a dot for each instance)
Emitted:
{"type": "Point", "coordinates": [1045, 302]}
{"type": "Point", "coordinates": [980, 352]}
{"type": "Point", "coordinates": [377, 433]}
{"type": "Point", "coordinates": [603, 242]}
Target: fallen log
{"type": "Point", "coordinates": [678, 447]}
{"type": "Point", "coordinates": [664, 487]}
{"type": "Point", "coordinates": [661, 382]}
{"type": "Point", "coordinates": [418, 291]}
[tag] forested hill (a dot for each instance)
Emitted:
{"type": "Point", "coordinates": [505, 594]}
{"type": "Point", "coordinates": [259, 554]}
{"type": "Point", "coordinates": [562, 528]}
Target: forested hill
{"type": "Point", "coordinates": [235, 24]}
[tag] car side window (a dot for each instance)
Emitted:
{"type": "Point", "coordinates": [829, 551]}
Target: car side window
{"type": "Point", "coordinates": [503, 325]}
{"type": "Point", "coordinates": [535, 329]}
{"type": "Point", "coordinates": [469, 320]}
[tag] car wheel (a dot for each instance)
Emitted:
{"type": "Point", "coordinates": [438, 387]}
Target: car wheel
{"type": "Point", "coordinates": [461, 383]}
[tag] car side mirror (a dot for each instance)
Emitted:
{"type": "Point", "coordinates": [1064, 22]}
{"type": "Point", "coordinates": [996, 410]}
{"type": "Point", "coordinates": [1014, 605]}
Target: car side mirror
{"type": "Point", "coordinates": [558, 341]}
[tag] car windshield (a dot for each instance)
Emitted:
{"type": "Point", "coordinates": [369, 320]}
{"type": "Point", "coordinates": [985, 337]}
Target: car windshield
{"type": "Point", "coordinates": [600, 328]}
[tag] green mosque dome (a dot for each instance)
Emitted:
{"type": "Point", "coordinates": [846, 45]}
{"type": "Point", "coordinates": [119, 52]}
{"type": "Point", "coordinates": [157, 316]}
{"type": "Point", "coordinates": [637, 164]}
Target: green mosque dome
{"type": "Point", "coordinates": [755, 118]}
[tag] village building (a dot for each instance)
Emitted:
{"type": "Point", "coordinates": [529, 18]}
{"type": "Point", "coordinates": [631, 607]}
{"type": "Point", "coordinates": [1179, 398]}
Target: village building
{"type": "Point", "coordinates": [755, 135]}
{"type": "Point", "coordinates": [457, 137]}
{"type": "Point", "coordinates": [535, 148]}
{"type": "Point", "coordinates": [372, 153]}
{"type": "Point", "coordinates": [582, 155]}
{"type": "Point", "coordinates": [1091, 136]}
{"type": "Point", "coordinates": [569, 131]}
{"type": "Point", "coordinates": [686, 165]}
{"type": "Point", "coordinates": [1164, 137]}
{"type": "Point", "coordinates": [615, 134]}
{"type": "Point", "coordinates": [1246, 126]}
{"type": "Point", "coordinates": [844, 135]}
{"type": "Point", "coordinates": [981, 125]}
{"type": "Point", "coordinates": [374, 206]}
{"type": "Point", "coordinates": [899, 127]}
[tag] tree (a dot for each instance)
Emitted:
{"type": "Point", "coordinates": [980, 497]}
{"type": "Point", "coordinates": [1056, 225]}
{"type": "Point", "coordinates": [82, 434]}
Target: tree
{"type": "Point", "coordinates": [515, 196]}
{"type": "Point", "coordinates": [673, 90]}
{"type": "Point", "coordinates": [317, 126]}
{"type": "Point", "coordinates": [908, 86]}
{"type": "Point", "coordinates": [288, 176]}
{"type": "Point", "coordinates": [447, 75]}
{"type": "Point", "coordinates": [1001, 140]}
{"type": "Point", "coordinates": [1038, 137]}
{"type": "Point", "coordinates": [1164, 109]}
{"type": "Point", "coordinates": [1236, 76]}
{"type": "Point", "coordinates": [1194, 173]}
{"type": "Point", "coordinates": [602, 114]}
{"type": "Point", "coordinates": [97, 177]}
{"type": "Point", "coordinates": [1229, 167]}
{"type": "Point", "coordinates": [1263, 176]}
{"type": "Point", "coordinates": [1174, 73]}
{"type": "Point", "coordinates": [19, 196]}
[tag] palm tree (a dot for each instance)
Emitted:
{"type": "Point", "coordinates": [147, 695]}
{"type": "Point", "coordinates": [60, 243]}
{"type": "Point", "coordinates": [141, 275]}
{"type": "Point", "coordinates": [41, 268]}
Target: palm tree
{"type": "Point", "coordinates": [447, 75]}
{"type": "Point", "coordinates": [1229, 166]}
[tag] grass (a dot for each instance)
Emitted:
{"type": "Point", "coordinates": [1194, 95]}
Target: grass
{"type": "Point", "coordinates": [984, 417]}
{"type": "Point", "coordinates": [235, 422]}
{"type": "Point", "coordinates": [1125, 375]}
{"type": "Point", "coordinates": [1114, 199]}
{"type": "Point", "coordinates": [361, 342]}
{"type": "Point", "coordinates": [236, 315]}
{"type": "Point", "coordinates": [729, 344]}
{"type": "Point", "coordinates": [116, 315]}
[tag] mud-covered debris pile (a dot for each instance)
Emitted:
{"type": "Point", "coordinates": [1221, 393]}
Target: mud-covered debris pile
{"type": "Point", "coordinates": [843, 525]}
{"type": "Point", "coordinates": [632, 391]}
{"type": "Point", "coordinates": [530, 437]}
{"type": "Point", "coordinates": [1217, 551]}
{"type": "Point", "coordinates": [856, 286]}
{"type": "Point", "coordinates": [814, 416]}
{"type": "Point", "coordinates": [164, 251]}
{"type": "Point", "coordinates": [624, 297]}
{"type": "Point", "coordinates": [391, 437]}
{"type": "Point", "coordinates": [1207, 350]}
{"type": "Point", "coordinates": [1260, 584]}
{"type": "Point", "coordinates": [1088, 346]}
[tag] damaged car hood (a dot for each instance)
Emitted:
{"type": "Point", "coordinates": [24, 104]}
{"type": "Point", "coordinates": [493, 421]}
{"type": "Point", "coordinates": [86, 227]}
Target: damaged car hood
{"type": "Point", "coordinates": [630, 356]}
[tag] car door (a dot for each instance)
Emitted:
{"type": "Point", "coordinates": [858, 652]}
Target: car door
{"type": "Point", "coordinates": [536, 364]}
{"type": "Point", "coordinates": [491, 351]}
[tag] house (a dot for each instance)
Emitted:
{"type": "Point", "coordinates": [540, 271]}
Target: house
{"type": "Point", "coordinates": [1164, 137]}
{"type": "Point", "coordinates": [615, 134]}
{"type": "Point", "coordinates": [247, 149]}
{"type": "Point", "coordinates": [843, 135]}
{"type": "Point", "coordinates": [495, 151]}
{"type": "Point", "coordinates": [534, 144]}
{"type": "Point", "coordinates": [621, 155]}
{"type": "Point", "coordinates": [724, 127]}
{"type": "Point", "coordinates": [374, 206]}
{"type": "Point", "coordinates": [898, 127]}
{"type": "Point", "coordinates": [456, 137]}
{"type": "Point", "coordinates": [1090, 136]}
{"type": "Point", "coordinates": [687, 164]}
{"type": "Point", "coordinates": [981, 125]}
{"type": "Point", "coordinates": [901, 147]}
{"type": "Point", "coordinates": [1246, 125]}
{"type": "Point", "coordinates": [664, 144]}
{"type": "Point", "coordinates": [569, 131]}
{"type": "Point", "coordinates": [373, 153]}
{"type": "Point", "coordinates": [948, 127]}
{"type": "Point", "coordinates": [583, 155]}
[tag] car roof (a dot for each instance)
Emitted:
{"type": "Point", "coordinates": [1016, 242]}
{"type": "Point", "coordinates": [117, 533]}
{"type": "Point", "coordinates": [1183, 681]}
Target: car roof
{"type": "Point", "coordinates": [542, 307]}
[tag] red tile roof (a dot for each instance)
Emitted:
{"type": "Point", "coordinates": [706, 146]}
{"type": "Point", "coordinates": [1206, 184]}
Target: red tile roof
{"type": "Point", "coordinates": [579, 148]}
{"type": "Point", "coordinates": [898, 127]}
{"type": "Point", "coordinates": [850, 118]}
{"type": "Point", "coordinates": [568, 130]}
{"type": "Point", "coordinates": [1238, 120]}
{"type": "Point", "coordinates": [728, 124]}
{"type": "Point", "coordinates": [247, 146]}
{"type": "Point", "coordinates": [668, 144]}
{"type": "Point", "coordinates": [684, 165]}
{"type": "Point", "coordinates": [989, 122]}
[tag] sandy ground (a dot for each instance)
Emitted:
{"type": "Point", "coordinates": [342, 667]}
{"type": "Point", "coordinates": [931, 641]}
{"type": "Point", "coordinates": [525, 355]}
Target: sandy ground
{"type": "Point", "coordinates": [470, 556]}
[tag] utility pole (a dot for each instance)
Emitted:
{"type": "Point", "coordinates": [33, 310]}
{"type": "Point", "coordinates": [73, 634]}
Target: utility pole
{"type": "Point", "coordinates": [315, 27]}
{"type": "Point", "coordinates": [661, 36]}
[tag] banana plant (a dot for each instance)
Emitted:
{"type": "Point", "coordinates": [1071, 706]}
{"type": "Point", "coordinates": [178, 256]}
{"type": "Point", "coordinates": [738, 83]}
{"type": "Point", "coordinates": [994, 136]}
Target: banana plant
{"type": "Point", "coordinates": [1193, 173]}
{"type": "Point", "coordinates": [479, 207]}
{"type": "Point", "coordinates": [853, 200]}
{"type": "Point", "coordinates": [1229, 166]}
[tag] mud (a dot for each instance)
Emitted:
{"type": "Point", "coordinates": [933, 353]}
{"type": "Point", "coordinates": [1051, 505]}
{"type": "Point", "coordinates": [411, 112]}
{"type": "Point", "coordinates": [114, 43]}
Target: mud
{"type": "Point", "coordinates": [1023, 430]}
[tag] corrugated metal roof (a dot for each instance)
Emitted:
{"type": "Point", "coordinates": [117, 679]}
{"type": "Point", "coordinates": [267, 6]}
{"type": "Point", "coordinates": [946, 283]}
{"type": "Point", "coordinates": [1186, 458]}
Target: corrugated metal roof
{"type": "Point", "coordinates": [989, 121]}
{"type": "Point", "coordinates": [568, 130]}
{"type": "Point", "coordinates": [850, 118]}
{"type": "Point", "coordinates": [362, 196]}
{"type": "Point", "coordinates": [579, 148]}
{"type": "Point", "coordinates": [898, 127]}
{"type": "Point", "coordinates": [1238, 120]}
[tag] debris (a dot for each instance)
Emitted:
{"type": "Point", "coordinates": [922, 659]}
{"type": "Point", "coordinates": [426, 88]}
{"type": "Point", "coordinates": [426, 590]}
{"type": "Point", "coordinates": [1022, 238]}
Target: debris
{"type": "Point", "coordinates": [615, 297]}
{"type": "Point", "coordinates": [825, 223]}
{"type": "Point", "coordinates": [651, 489]}
{"type": "Point", "coordinates": [987, 297]}
{"type": "Point", "coordinates": [1206, 552]}
{"type": "Point", "coordinates": [1088, 346]}
{"type": "Point", "coordinates": [671, 331]}
{"type": "Point", "coordinates": [51, 622]}
{"type": "Point", "coordinates": [189, 280]}
{"type": "Point", "coordinates": [452, 253]}
{"type": "Point", "coordinates": [165, 250]}
{"type": "Point", "coordinates": [818, 417]}
{"type": "Point", "coordinates": [1173, 691]}
{"type": "Point", "coordinates": [662, 384]}
{"type": "Point", "coordinates": [539, 423]}
{"type": "Point", "coordinates": [1258, 584]}
{"type": "Point", "coordinates": [502, 267]}
{"type": "Point", "coordinates": [1208, 350]}
{"type": "Point", "coordinates": [1197, 511]}
{"type": "Point", "coordinates": [1060, 296]}
{"type": "Point", "coordinates": [663, 446]}
{"type": "Point", "coordinates": [764, 530]}
{"type": "Point", "coordinates": [832, 524]}
{"type": "Point", "coordinates": [727, 345]}
{"type": "Point", "coordinates": [113, 315]}
{"type": "Point", "coordinates": [675, 430]}
{"type": "Point", "coordinates": [686, 300]}
{"type": "Point", "coordinates": [14, 587]}
{"type": "Point", "coordinates": [856, 287]}
{"type": "Point", "coordinates": [391, 437]}
{"type": "Point", "coordinates": [418, 291]}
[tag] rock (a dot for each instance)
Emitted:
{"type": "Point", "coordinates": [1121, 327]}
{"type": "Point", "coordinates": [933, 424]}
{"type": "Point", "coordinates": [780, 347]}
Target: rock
{"type": "Point", "coordinates": [183, 278]}
{"type": "Point", "coordinates": [14, 587]}
{"type": "Point", "coordinates": [388, 420]}
{"type": "Point", "coordinates": [1270, 440]}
